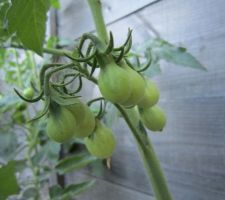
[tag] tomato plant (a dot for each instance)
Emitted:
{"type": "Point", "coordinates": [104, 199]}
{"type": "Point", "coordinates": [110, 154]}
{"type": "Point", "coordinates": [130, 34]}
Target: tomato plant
{"type": "Point", "coordinates": [124, 82]}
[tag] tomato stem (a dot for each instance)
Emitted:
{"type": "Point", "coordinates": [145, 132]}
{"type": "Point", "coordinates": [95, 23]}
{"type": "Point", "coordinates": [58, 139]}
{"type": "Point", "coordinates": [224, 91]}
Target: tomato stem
{"type": "Point", "coordinates": [150, 160]}
{"type": "Point", "coordinates": [96, 10]}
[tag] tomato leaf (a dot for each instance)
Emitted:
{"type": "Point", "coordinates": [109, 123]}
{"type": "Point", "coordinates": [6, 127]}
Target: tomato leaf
{"type": "Point", "coordinates": [27, 18]}
{"type": "Point", "coordinates": [55, 4]}
{"type": "Point", "coordinates": [177, 55]}
{"type": "Point", "coordinates": [74, 162]}
{"type": "Point", "coordinates": [8, 182]}
{"type": "Point", "coordinates": [57, 193]}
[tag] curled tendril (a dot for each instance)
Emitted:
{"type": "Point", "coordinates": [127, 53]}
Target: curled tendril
{"type": "Point", "coordinates": [110, 46]}
{"type": "Point", "coordinates": [50, 73]}
{"type": "Point", "coordinates": [95, 100]}
{"type": "Point", "coordinates": [147, 65]}
{"type": "Point", "coordinates": [44, 69]}
{"type": "Point", "coordinates": [35, 99]}
{"type": "Point", "coordinates": [63, 84]}
{"type": "Point", "coordinates": [129, 38]}
{"type": "Point", "coordinates": [79, 87]}
{"type": "Point", "coordinates": [128, 46]}
{"type": "Point", "coordinates": [93, 68]}
{"type": "Point", "coordinates": [129, 64]}
{"type": "Point", "coordinates": [101, 110]}
{"type": "Point", "coordinates": [43, 112]}
{"type": "Point", "coordinates": [120, 57]}
{"type": "Point", "coordinates": [85, 59]}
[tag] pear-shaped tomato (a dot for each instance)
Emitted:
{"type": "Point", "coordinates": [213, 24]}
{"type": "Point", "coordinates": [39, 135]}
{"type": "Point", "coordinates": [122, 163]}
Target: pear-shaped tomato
{"type": "Point", "coordinates": [151, 95]}
{"type": "Point", "coordinates": [137, 86]}
{"type": "Point", "coordinates": [28, 93]}
{"type": "Point", "coordinates": [61, 125]}
{"type": "Point", "coordinates": [114, 83]}
{"type": "Point", "coordinates": [153, 118]}
{"type": "Point", "coordinates": [134, 115]}
{"type": "Point", "coordinates": [102, 142]}
{"type": "Point", "coordinates": [18, 117]}
{"type": "Point", "coordinates": [85, 119]}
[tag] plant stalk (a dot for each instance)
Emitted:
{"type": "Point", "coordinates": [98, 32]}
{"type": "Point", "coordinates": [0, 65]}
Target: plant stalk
{"type": "Point", "coordinates": [150, 160]}
{"type": "Point", "coordinates": [96, 10]}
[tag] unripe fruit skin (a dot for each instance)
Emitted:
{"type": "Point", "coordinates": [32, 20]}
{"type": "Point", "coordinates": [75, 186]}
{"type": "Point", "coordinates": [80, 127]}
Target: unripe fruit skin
{"type": "Point", "coordinates": [19, 118]}
{"type": "Point", "coordinates": [28, 93]}
{"type": "Point", "coordinates": [114, 83]}
{"type": "Point", "coordinates": [153, 118]}
{"type": "Point", "coordinates": [102, 143]}
{"type": "Point", "coordinates": [85, 119]}
{"type": "Point", "coordinates": [21, 106]}
{"type": "Point", "coordinates": [60, 126]}
{"type": "Point", "coordinates": [137, 86]}
{"type": "Point", "coordinates": [151, 95]}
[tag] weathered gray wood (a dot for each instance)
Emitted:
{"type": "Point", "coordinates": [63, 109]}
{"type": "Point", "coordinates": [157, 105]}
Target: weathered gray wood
{"type": "Point", "coordinates": [77, 17]}
{"type": "Point", "coordinates": [192, 149]}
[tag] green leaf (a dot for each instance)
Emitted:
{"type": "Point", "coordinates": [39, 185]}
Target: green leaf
{"type": "Point", "coordinates": [8, 182]}
{"type": "Point", "coordinates": [8, 102]}
{"type": "Point", "coordinates": [8, 145]}
{"type": "Point", "coordinates": [154, 69]}
{"type": "Point", "coordinates": [55, 4]}
{"type": "Point", "coordinates": [74, 162]}
{"type": "Point", "coordinates": [173, 54]}
{"type": "Point", "coordinates": [27, 18]}
{"type": "Point", "coordinates": [57, 193]}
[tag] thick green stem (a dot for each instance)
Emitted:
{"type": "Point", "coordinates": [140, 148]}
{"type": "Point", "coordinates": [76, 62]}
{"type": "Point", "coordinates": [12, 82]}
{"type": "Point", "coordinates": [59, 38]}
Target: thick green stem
{"type": "Point", "coordinates": [151, 163]}
{"type": "Point", "coordinates": [96, 10]}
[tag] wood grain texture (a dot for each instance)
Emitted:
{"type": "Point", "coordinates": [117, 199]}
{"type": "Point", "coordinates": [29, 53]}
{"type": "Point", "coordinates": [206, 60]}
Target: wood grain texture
{"type": "Point", "coordinates": [192, 148]}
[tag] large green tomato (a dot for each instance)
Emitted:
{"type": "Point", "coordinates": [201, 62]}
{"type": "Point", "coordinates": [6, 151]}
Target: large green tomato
{"type": "Point", "coordinates": [61, 125]}
{"type": "Point", "coordinates": [85, 119]}
{"type": "Point", "coordinates": [102, 142]}
{"type": "Point", "coordinates": [137, 86]}
{"type": "Point", "coordinates": [151, 95]}
{"type": "Point", "coordinates": [114, 83]}
{"type": "Point", "coordinates": [153, 118]}
{"type": "Point", "coordinates": [28, 93]}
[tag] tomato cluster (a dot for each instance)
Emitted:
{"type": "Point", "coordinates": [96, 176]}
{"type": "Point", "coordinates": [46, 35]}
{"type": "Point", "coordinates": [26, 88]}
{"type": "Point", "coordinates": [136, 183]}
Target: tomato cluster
{"type": "Point", "coordinates": [77, 121]}
{"type": "Point", "coordinates": [121, 84]}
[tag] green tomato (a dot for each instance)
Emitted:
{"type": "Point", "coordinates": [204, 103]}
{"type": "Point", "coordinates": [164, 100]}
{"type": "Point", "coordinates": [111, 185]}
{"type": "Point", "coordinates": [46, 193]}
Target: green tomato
{"type": "Point", "coordinates": [114, 83]}
{"type": "Point", "coordinates": [85, 119]}
{"type": "Point", "coordinates": [151, 95]}
{"type": "Point", "coordinates": [153, 118]}
{"type": "Point", "coordinates": [21, 106]}
{"type": "Point", "coordinates": [28, 93]}
{"type": "Point", "coordinates": [102, 142]}
{"type": "Point", "coordinates": [18, 118]}
{"type": "Point", "coordinates": [137, 86]}
{"type": "Point", "coordinates": [61, 125]}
